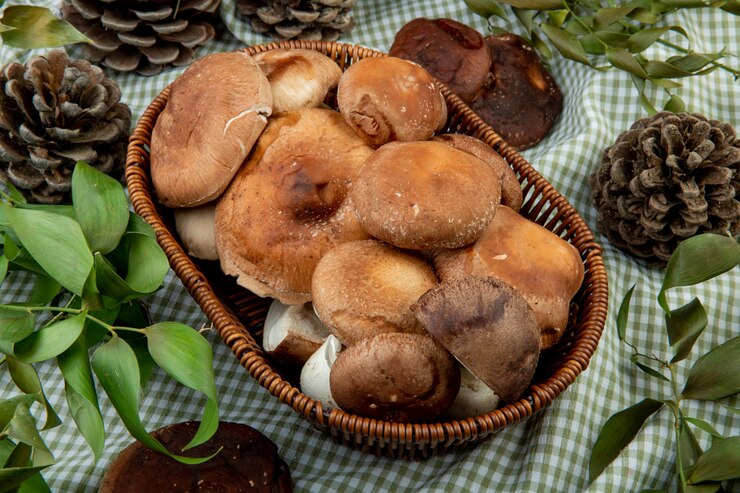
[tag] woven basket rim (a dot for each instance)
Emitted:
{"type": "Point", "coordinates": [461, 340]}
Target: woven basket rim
{"type": "Point", "coordinates": [234, 334]}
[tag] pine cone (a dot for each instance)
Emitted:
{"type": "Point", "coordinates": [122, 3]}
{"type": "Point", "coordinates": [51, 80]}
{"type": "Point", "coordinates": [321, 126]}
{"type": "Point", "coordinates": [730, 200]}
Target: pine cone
{"type": "Point", "coordinates": [297, 19]}
{"type": "Point", "coordinates": [143, 35]}
{"type": "Point", "coordinates": [54, 112]}
{"type": "Point", "coordinates": [669, 177]}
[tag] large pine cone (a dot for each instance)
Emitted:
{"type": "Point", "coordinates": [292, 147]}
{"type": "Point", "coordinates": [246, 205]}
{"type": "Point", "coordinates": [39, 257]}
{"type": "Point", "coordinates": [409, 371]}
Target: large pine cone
{"type": "Point", "coordinates": [143, 35]}
{"type": "Point", "coordinates": [54, 112]}
{"type": "Point", "coordinates": [297, 19]}
{"type": "Point", "coordinates": [669, 177]}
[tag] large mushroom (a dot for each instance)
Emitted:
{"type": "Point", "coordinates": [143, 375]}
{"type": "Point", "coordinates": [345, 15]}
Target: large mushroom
{"type": "Point", "coordinates": [511, 189]}
{"type": "Point", "coordinates": [545, 269]}
{"type": "Point", "coordinates": [298, 78]}
{"type": "Point", "coordinates": [520, 99]}
{"type": "Point", "coordinates": [206, 130]}
{"type": "Point", "coordinates": [286, 207]}
{"type": "Point", "coordinates": [424, 195]}
{"type": "Point", "coordinates": [395, 377]}
{"type": "Point", "coordinates": [364, 288]}
{"type": "Point", "coordinates": [388, 99]}
{"type": "Point", "coordinates": [488, 327]}
{"type": "Point", "coordinates": [452, 52]}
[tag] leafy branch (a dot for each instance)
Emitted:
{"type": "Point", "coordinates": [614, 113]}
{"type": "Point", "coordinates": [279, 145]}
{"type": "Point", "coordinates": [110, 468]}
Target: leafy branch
{"type": "Point", "coordinates": [603, 36]}
{"type": "Point", "coordinates": [91, 262]}
{"type": "Point", "coordinates": [714, 376]}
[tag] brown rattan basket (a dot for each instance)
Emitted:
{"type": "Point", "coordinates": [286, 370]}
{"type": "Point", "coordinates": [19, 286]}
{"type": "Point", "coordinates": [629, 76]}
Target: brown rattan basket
{"type": "Point", "coordinates": [238, 315]}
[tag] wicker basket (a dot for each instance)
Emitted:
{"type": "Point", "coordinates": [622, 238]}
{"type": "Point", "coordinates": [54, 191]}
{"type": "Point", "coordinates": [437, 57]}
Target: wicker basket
{"type": "Point", "coordinates": [238, 315]}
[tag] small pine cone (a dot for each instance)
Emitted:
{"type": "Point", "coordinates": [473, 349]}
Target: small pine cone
{"type": "Point", "coordinates": [669, 177]}
{"type": "Point", "coordinates": [143, 35]}
{"type": "Point", "coordinates": [54, 112]}
{"type": "Point", "coordinates": [298, 19]}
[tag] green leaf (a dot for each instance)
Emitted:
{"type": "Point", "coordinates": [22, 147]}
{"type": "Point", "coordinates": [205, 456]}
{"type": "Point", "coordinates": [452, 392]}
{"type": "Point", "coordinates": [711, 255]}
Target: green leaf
{"type": "Point", "coordinates": [715, 375]}
{"type": "Point", "coordinates": [566, 43]}
{"type": "Point", "coordinates": [684, 326]}
{"type": "Point", "coordinates": [20, 456]}
{"type": "Point", "coordinates": [486, 8]}
{"type": "Point", "coordinates": [148, 264]}
{"type": "Point", "coordinates": [689, 447]}
{"type": "Point", "coordinates": [609, 15]}
{"type": "Point", "coordinates": [50, 341]}
{"type": "Point", "coordinates": [664, 70]}
{"type": "Point", "coordinates": [720, 462]}
{"type": "Point", "coordinates": [145, 360]}
{"type": "Point", "coordinates": [37, 27]}
{"type": "Point", "coordinates": [618, 431]}
{"type": "Point", "coordinates": [707, 487]}
{"type": "Point", "coordinates": [45, 290]}
{"type": "Point", "coordinates": [15, 194]}
{"type": "Point", "coordinates": [114, 363]}
{"type": "Point", "coordinates": [100, 206]}
{"type": "Point", "coordinates": [15, 325]}
{"type": "Point", "coordinates": [558, 17]}
{"type": "Point", "coordinates": [3, 268]}
{"type": "Point", "coordinates": [136, 224]}
{"type": "Point", "coordinates": [693, 61]}
{"type": "Point", "coordinates": [675, 104]}
{"type": "Point", "coordinates": [13, 477]}
{"type": "Point", "coordinates": [703, 425]}
{"type": "Point", "coordinates": [624, 313]}
{"type": "Point", "coordinates": [698, 259]}
{"type": "Point", "coordinates": [22, 428]}
{"type": "Point", "coordinates": [18, 256]}
{"type": "Point", "coordinates": [644, 38]}
{"type": "Point", "coordinates": [8, 407]}
{"type": "Point", "coordinates": [56, 243]}
{"type": "Point", "coordinates": [81, 396]}
{"type": "Point", "coordinates": [536, 4]}
{"type": "Point", "coordinates": [25, 377]}
{"type": "Point", "coordinates": [34, 484]}
{"type": "Point", "coordinates": [623, 60]}
{"type": "Point", "coordinates": [650, 371]}
{"type": "Point", "coordinates": [542, 48]}
{"type": "Point", "coordinates": [61, 209]}
{"type": "Point", "coordinates": [186, 355]}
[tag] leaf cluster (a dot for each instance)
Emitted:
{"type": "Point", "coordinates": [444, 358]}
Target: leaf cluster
{"type": "Point", "coordinates": [91, 262]}
{"type": "Point", "coordinates": [714, 376]}
{"type": "Point", "coordinates": [28, 27]}
{"type": "Point", "coordinates": [603, 35]}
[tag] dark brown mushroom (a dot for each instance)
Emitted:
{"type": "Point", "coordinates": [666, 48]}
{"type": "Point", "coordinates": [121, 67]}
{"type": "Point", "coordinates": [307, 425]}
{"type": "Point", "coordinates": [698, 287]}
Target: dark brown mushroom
{"type": "Point", "coordinates": [244, 460]}
{"type": "Point", "coordinates": [520, 99]}
{"type": "Point", "coordinates": [452, 52]}
{"type": "Point", "coordinates": [488, 327]}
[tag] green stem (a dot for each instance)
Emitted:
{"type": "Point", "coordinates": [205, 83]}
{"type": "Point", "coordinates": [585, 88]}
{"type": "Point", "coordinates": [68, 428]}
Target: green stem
{"type": "Point", "coordinates": [74, 311]}
{"type": "Point", "coordinates": [59, 315]}
{"type": "Point", "coordinates": [677, 425]}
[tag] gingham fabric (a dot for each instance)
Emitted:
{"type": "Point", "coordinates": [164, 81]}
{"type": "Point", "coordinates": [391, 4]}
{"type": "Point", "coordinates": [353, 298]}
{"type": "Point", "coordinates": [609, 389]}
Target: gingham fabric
{"type": "Point", "coordinates": [548, 452]}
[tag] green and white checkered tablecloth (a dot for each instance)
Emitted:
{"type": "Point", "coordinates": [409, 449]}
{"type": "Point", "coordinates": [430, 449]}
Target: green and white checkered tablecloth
{"type": "Point", "coordinates": [548, 452]}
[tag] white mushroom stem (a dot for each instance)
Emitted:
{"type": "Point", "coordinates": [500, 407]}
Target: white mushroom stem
{"type": "Point", "coordinates": [195, 226]}
{"type": "Point", "coordinates": [474, 397]}
{"type": "Point", "coordinates": [292, 332]}
{"type": "Point", "coordinates": [315, 373]}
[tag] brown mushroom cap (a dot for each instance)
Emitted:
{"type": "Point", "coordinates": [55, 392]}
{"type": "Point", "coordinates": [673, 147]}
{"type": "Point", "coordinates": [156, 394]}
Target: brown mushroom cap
{"type": "Point", "coordinates": [423, 195]}
{"type": "Point", "coordinates": [207, 129]}
{"type": "Point", "coordinates": [395, 377]}
{"type": "Point", "coordinates": [488, 327]}
{"type": "Point", "coordinates": [388, 99]}
{"type": "Point", "coordinates": [298, 78]}
{"type": "Point", "coordinates": [511, 189]}
{"type": "Point", "coordinates": [364, 288]}
{"type": "Point", "coordinates": [546, 270]}
{"type": "Point", "coordinates": [244, 460]}
{"type": "Point", "coordinates": [520, 100]}
{"type": "Point", "coordinates": [286, 207]}
{"type": "Point", "coordinates": [452, 52]}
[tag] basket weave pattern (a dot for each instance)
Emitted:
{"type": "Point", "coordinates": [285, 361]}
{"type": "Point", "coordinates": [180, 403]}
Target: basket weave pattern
{"type": "Point", "coordinates": [238, 315]}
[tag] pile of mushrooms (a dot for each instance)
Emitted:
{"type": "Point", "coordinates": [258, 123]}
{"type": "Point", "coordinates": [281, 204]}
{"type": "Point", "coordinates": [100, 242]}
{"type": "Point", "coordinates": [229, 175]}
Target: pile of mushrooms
{"type": "Point", "coordinates": [405, 283]}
